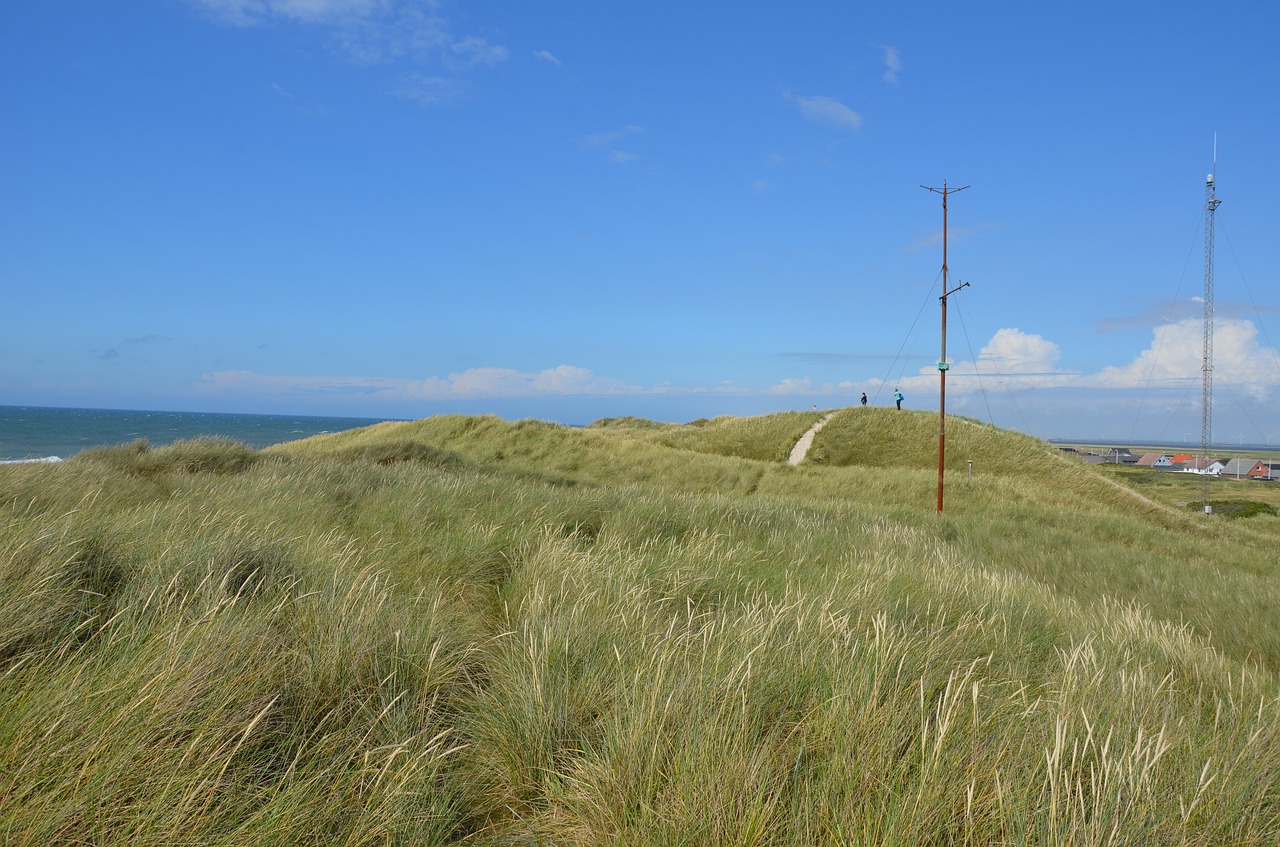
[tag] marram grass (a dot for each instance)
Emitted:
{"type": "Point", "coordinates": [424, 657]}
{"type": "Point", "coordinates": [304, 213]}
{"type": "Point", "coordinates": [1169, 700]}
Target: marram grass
{"type": "Point", "coordinates": [461, 631]}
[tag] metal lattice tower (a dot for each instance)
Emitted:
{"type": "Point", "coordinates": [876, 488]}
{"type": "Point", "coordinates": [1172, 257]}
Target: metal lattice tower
{"type": "Point", "coordinates": [1206, 401]}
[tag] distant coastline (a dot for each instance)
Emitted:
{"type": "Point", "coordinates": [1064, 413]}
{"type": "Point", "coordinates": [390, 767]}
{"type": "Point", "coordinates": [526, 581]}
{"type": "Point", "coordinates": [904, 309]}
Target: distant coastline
{"type": "Point", "coordinates": [1180, 446]}
{"type": "Point", "coordinates": [44, 432]}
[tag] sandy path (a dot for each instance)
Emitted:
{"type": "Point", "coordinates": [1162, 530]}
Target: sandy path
{"type": "Point", "coordinates": [806, 441]}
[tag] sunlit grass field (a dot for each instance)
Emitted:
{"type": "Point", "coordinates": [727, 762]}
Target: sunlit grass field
{"type": "Point", "coordinates": [466, 631]}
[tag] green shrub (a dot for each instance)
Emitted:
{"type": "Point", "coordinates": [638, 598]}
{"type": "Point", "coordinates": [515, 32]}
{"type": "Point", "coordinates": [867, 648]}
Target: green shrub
{"type": "Point", "coordinates": [1233, 509]}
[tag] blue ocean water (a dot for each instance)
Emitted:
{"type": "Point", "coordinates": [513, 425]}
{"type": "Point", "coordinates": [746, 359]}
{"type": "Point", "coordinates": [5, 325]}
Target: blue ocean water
{"type": "Point", "coordinates": [31, 432]}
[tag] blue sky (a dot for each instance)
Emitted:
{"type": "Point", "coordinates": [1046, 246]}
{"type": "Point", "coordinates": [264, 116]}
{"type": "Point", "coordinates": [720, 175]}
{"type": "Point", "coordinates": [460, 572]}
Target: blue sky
{"type": "Point", "coordinates": [572, 210]}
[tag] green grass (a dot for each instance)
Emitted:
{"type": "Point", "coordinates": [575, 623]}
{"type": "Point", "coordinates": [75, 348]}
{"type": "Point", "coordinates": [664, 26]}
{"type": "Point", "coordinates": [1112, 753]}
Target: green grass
{"type": "Point", "coordinates": [466, 631]}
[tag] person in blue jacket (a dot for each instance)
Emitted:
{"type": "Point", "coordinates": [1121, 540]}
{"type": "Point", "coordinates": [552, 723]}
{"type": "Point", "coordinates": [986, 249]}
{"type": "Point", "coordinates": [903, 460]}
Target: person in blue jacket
{"type": "Point", "coordinates": [898, 398]}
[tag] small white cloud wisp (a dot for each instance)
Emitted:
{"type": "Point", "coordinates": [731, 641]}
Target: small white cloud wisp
{"type": "Point", "coordinates": [892, 64]}
{"type": "Point", "coordinates": [468, 384]}
{"type": "Point", "coordinates": [828, 111]}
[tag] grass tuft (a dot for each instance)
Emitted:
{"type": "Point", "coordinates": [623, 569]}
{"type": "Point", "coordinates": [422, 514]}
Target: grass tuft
{"type": "Point", "coordinates": [213, 455]}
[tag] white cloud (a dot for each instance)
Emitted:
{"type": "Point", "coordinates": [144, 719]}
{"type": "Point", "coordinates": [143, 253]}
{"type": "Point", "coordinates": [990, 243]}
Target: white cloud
{"type": "Point", "coordinates": [429, 90]}
{"type": "Point", "coordinates": [607, 143]}
{"type": "Point", "coordinates": [605, 140]}
{"type": "Point", "coordinates": [1012, 357]}
{"type": "Point", "coordinates": [1174, 359]}
{"type": "Point", "coordinates": [567, 379]}
{"type": "Point", "coordinates": [367, 31]}
{"type": "Point", "coordinates": [249, 12]}
{"type": "Point", "coordinates": [1176, 355]}
{"type": "Point", "coordinates": [892, 64]}
{"type": "Point", "coordinates": [792, 386]}
{"type": "Point", "coordinates": [547, 56]}
{"type": "Point", "coordinates": [323, 10]}
{"type": "Point", "coordinates": [807, 387]}
{"type": "Point", "coordinates": [827, 110]}
{"type": "Point", "coordinates": [564, 380]}
{"type": "Point", "coordinates": [234, 12]}
{"type": "Point", "coordinates": [477, 51]}
{"type": "Point", "coordinates": [599, 139]}
{"type": "Point", "coordinates": [1014, 351]}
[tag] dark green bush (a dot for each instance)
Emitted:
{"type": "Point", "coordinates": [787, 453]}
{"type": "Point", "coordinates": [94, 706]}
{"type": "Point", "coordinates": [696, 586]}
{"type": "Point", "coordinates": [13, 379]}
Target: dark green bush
{"type": "Point", "coordinates": [1237, 508]}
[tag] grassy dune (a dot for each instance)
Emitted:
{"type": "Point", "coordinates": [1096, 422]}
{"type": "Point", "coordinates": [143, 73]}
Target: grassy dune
{"type": "Point", "coordinates": [467, 631]}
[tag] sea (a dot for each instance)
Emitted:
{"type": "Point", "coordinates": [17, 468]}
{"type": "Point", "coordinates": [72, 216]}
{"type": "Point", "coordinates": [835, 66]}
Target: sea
{"type": "Point", "coordinates": [37, 433]}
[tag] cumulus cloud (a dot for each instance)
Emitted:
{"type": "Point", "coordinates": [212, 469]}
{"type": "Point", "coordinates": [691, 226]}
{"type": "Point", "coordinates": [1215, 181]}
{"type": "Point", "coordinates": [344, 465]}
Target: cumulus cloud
{"type": "Point", "coordinates": [1014, 351]}
{"type": "Point", "coordinates": [1025, 360]}
{"type": "Point", "coordinates": [892, 64]}
{"type": "Point", "coordinates": [1013, 357]}
{"type": "Point", "coordinates": [827, 110]}
{"type": "Point", "coordinates": [1176, 356]}
{"type": "Point", "coordinates": [567, 379]}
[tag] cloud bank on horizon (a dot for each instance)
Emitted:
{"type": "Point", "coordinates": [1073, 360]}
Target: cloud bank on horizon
{"type": "Point", "coordinates": [1174, 360]}
{"type": "Point", "coordinates": [1011, 359]}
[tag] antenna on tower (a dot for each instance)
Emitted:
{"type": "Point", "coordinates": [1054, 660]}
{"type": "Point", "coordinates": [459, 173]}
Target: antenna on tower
{"type": "Point", "coordinates": [1206, 400]}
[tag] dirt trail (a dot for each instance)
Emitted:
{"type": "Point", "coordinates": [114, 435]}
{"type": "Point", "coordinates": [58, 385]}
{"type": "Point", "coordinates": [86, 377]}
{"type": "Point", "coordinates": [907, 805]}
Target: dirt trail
{"type": "Point", "coordinates": [806, 441]}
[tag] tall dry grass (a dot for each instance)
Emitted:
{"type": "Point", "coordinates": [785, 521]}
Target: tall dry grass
{"type": "Point", "coordinates": [462, 631]}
